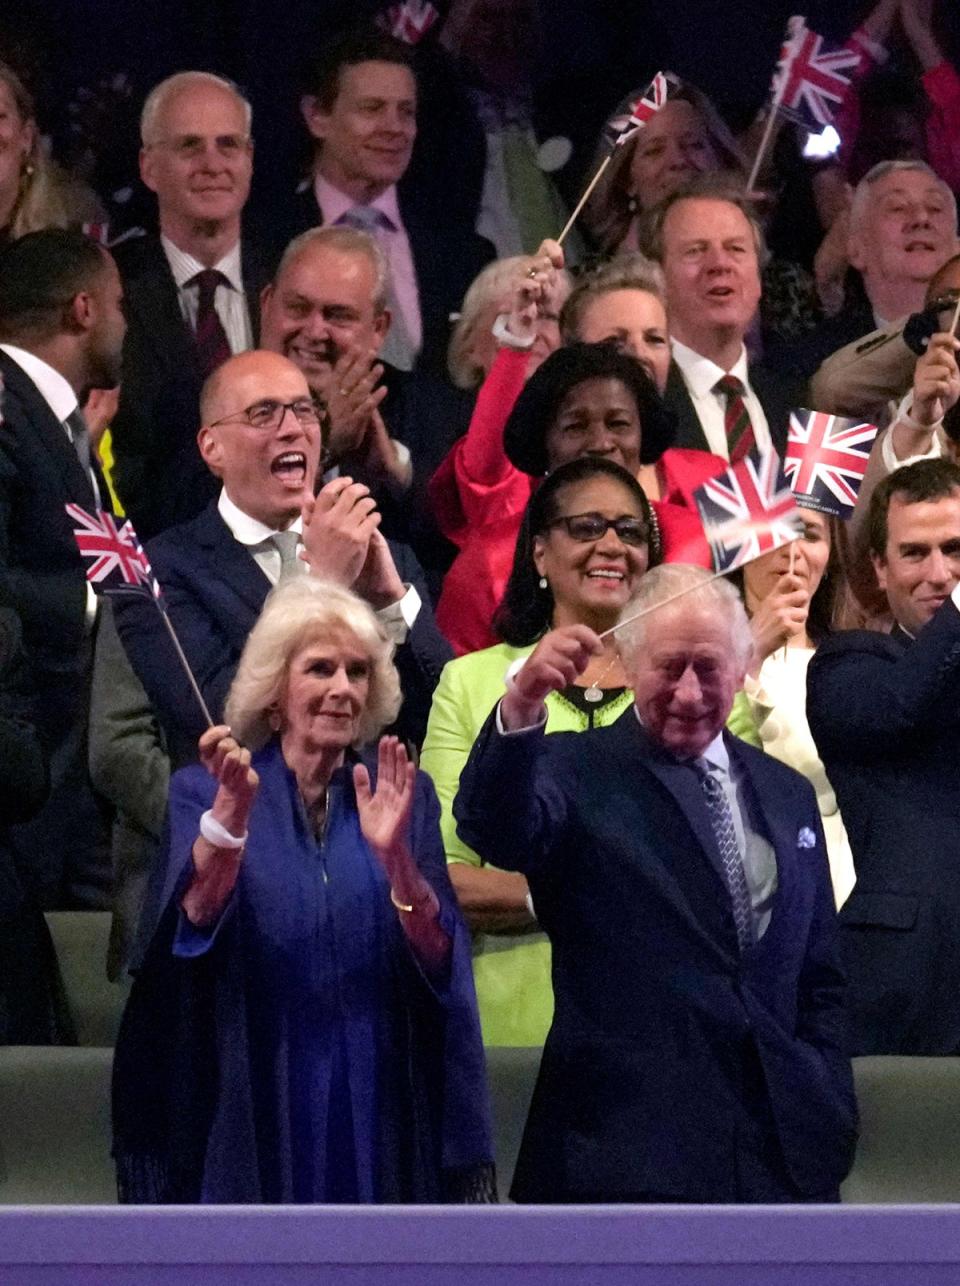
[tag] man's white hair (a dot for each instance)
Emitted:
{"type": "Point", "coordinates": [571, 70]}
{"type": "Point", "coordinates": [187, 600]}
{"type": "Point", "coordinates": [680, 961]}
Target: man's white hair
{"type": "Point", "coordinates": [347, 241]}
{"type": "Point", "coordinates": [698, 589]}
{"type": "Point", "coordinates": [863, 192]}
{"type": "Point", "coordinates": [158, 98]}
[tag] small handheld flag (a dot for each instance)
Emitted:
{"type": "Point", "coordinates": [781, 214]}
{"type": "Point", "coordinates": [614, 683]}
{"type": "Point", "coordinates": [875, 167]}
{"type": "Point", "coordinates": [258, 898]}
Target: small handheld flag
{"type": "Point", "coordinates": [621, 128]}
{"type": "Point", "coordinates": [812, 79]}
{"type": "Point", "coordinates": [409, 21]}
{"type": "Point", "coordinates": [826, 460]}
{"type": "Point", "coordinates": [747, 511]}
{"type": "Point", "coordinates": [119, 565]}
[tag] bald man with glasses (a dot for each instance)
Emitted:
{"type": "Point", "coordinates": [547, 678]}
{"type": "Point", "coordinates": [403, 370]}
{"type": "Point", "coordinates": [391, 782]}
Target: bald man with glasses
{"type": "Point", "coordinates": [261, 441]}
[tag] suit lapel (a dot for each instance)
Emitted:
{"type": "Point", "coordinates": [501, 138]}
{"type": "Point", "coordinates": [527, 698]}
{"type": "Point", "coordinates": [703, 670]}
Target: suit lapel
{"type": "Point", "coordinates": [51, 433]}
{"type": "Point", "coordinates": [689, 430]}
{"type": "Point", "coordinates": [153, 297]}
{"type": "Point", "coordinates": [229, 562]}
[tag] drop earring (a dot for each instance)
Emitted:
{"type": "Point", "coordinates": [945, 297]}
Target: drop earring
{"type": "Point", "coordinates": [542, 582]}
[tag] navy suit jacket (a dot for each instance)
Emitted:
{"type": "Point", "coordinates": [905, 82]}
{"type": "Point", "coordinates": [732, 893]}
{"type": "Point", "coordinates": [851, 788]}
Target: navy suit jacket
{"type": "Point", "coordinates": [42, 578]}
{"type": "Point", "coordinates": [650, 1065]}
{"type": "Point", "coordinates": [885, 714]}
{"type": "Point", "coordinates": [215, 592]}
{"type": "Point", "coordinates": [776, 395]}
{"type": "Point", "coordinates": [159, 473]}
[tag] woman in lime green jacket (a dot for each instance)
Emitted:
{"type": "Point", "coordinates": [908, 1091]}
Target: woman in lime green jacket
{"type": "Point", "coordinates": [588, 535]}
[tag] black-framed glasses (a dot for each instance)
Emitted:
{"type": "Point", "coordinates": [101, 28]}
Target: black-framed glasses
{"type": "Point", "coordinates": [587, 527]}
{"type": "Point", "coordinates": [268, 414]}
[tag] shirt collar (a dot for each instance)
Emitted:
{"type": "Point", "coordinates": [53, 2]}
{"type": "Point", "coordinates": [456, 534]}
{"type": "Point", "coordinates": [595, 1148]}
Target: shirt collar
{"type": "Point", "coordinates": [184, 266]}
{"type": "Point", "coordinates": [716, 754]}
{"type": "Point", "coordinates": [51, 385]}
{"type": "Point", "coordinates": [334, 204]}
{"type": "Point", "coordinates": [247, 530]}
{"type": "Point", "coordinates": [700, 373]}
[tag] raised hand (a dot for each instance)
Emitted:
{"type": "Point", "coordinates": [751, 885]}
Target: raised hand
{"type": "Point", "coordinates": [780, 616]}
{"type": "Point", "coordinates": [558, 660]}
{"type": "Point", "coordinates": [385, 812]}
{"type": "Point", "coordinates": [378, 580]}
{"type": "Point", "coordinates": [337, 527]}
{"type": "Point", "coordinates": [936, 380]}
{"type": "Point", "coordinates": [536, 289]}
{"type": "Point", "coordinates": [216, 866]}
{"type": "Point", "coordinates": [352, 393]}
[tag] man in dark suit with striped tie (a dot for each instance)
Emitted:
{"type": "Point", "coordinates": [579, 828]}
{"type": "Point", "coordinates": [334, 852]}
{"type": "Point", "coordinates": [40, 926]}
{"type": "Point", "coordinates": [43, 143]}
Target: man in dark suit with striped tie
{"type": "Point", "coordinates": [192, 292]}
{"type": "Point", "coordinates": [61, 332]}
{"type": "Point", "coordinates": [709, 247]}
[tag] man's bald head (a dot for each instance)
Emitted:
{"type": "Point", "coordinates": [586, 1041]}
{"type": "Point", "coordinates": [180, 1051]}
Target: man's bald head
{"type": "Point", "coordinates": [221, 385]}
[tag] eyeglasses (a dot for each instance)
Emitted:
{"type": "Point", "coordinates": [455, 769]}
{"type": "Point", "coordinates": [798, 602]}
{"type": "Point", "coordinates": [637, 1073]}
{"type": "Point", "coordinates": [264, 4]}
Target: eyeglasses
{"type": "Point", "coordinates": [587, 527]}
{"type": "Point", "coordinates": [268, 414]}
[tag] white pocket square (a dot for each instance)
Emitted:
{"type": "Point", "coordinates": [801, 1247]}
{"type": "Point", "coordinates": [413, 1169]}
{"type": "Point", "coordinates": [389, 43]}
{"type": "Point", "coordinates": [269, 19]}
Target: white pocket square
{"type": "Point", "coordinates": [806, 838]}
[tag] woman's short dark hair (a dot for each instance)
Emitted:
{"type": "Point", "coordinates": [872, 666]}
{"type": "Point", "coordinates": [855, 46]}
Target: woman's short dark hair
{"type": "Point", "coordinates": [526, 611]}
{"type": "Point", "coordinates": [525, 433]}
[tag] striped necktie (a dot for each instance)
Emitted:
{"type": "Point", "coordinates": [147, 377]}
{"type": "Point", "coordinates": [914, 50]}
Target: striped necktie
{"type": "Point", "coordinates": [213, 347]}
{"type": "Point", "coordinates": [736, 419]}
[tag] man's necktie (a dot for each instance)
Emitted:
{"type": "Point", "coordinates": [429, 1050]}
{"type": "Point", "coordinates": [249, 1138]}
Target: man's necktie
{"type": "Point", "coordinates": [721, 819]}
{"type": "Point", "coordinates": [287, 543]}
{"type": "Point", "coordinates": [76, 427]}
{"type": "Point", "coordinates": [213, 348]}
{"type": "Point", "coordinates": [736, 418]}
{"type": "Point", "coordinates": [397, 347]}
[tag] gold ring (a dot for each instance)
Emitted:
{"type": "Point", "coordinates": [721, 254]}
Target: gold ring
{"type": "Point", "coordinates": [531, 272]}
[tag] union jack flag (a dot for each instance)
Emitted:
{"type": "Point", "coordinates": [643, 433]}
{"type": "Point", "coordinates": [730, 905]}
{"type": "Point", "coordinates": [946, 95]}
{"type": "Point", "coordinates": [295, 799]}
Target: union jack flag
{"type": "Point", "coordinates": [811, 80]}
{"type": "Point", "coordinates": [826, 459]}
{"type": "Point", "coordinates": [409, 21]}
{"type": "Point", "coordinates": [747, 510]}
{"type": "Point", "coordinates": [118, 563]}
{"type": "Point", "coordinates": [621, 128]}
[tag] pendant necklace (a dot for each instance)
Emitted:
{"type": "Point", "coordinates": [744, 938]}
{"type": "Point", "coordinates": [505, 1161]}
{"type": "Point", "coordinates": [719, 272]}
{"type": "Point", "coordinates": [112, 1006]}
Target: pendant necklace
{"type": "Point", "coordinates": [594, 693]}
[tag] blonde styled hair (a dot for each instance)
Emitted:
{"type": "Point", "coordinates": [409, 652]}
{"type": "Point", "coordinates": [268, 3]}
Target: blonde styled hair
{"type": "Point", "coordinates": [297, 612]}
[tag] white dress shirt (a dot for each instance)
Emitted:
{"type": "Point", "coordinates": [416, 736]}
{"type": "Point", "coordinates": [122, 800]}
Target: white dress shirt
{"type": "Point", "coordinates": [393, 241]}
{"type": "Point", "coordinates": [700, 374]}
{"type": "Point", "coordinates": [62, 401]}
{"type": "Point", "coordinates": [229, 300]}
{"type": "Point", "coordinates": [397, 619]}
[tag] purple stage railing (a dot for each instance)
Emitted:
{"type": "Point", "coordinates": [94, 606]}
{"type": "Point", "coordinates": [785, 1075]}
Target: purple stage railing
{"type": "Point", "coordinates": [507, 1245]}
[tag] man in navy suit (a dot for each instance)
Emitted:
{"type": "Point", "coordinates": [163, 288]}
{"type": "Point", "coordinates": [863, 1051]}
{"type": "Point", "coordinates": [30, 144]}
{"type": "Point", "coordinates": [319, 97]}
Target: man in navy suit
{"type": "Point", "coordinates": [361, 112]}
{"type": "Point", "coordinates": [709, 246]}
{"type": "Point", "coordinates": [696, 1048]}
{"type": "Point", "coordinates": [884, 710]}
{"type": "Point", "coordinates": [61, 332]}
{"type": "Point", "coordinates": [261, 439]}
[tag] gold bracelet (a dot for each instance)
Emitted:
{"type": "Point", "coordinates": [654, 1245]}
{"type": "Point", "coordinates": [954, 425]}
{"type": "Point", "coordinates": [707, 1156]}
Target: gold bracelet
{"type": "Point", "coordinates": [401, 906]}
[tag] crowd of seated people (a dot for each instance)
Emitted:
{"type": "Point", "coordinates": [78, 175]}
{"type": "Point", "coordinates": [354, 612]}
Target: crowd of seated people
{"type": "Point", "coordinates": [417, 481]}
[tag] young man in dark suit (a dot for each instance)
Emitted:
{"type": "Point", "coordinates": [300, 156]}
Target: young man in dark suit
{"type": "Point", "coordinates": [696, 1052]}
{"type": "Point", "coordinates": [884, 710]}
{"type": "Point", "coordinates": [191, 292]}
{"type": "Point", "coordinates": [361, 111]}
{"type": "Point", "coordinates": [261, 441]}
{"type": "Point", "coordinates": [61, 332]}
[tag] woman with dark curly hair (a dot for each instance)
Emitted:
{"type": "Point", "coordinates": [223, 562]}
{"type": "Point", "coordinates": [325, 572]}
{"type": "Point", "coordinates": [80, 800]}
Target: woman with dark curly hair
{"type": "Point", "coordinates": [587, 537]}
{"type": "Point", "coordinates": [585, 400]}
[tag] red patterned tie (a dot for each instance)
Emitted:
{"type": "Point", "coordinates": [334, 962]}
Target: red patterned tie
{"type": "Point", "coordinates": [736, 418]}
{"type": "Point", "coordinates": [212, 346]}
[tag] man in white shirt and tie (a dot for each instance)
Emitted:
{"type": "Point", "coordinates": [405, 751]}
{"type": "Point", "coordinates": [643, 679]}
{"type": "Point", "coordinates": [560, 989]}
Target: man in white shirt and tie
{"type": "Point", "coordinates": [260, 438]}
{"type": "Point", "coordinates": [710, 248]}
{"type": "Point", "coordinates": [191, 292]}
{"type": "Point", "coordinates": [61, 332]}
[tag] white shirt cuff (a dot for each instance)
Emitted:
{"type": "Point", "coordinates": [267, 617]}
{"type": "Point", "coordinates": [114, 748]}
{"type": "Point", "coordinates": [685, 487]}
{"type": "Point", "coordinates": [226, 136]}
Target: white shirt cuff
{"type": "Point", "coordinates": [512, 732]}
{"type": "Point", "coordinates": [955, 596]}
{"type": "Point", "coordinates": [887, 454]}
{"type": "Point", "coordinates": [399, 617]}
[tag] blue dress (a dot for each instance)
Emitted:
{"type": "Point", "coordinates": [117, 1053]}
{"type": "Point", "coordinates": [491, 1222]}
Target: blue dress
{"type": "Point", "coordinates": [310, 1058]}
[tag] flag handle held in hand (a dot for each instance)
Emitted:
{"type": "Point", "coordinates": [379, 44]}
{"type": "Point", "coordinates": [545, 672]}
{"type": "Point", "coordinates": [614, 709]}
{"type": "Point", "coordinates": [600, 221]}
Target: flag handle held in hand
{"type": "Point", "coordinates": [767, 133]}
{"type": "Point", "coordinates": [586, 196]}
{"type": "Point", "coordinates": [956, 318]}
